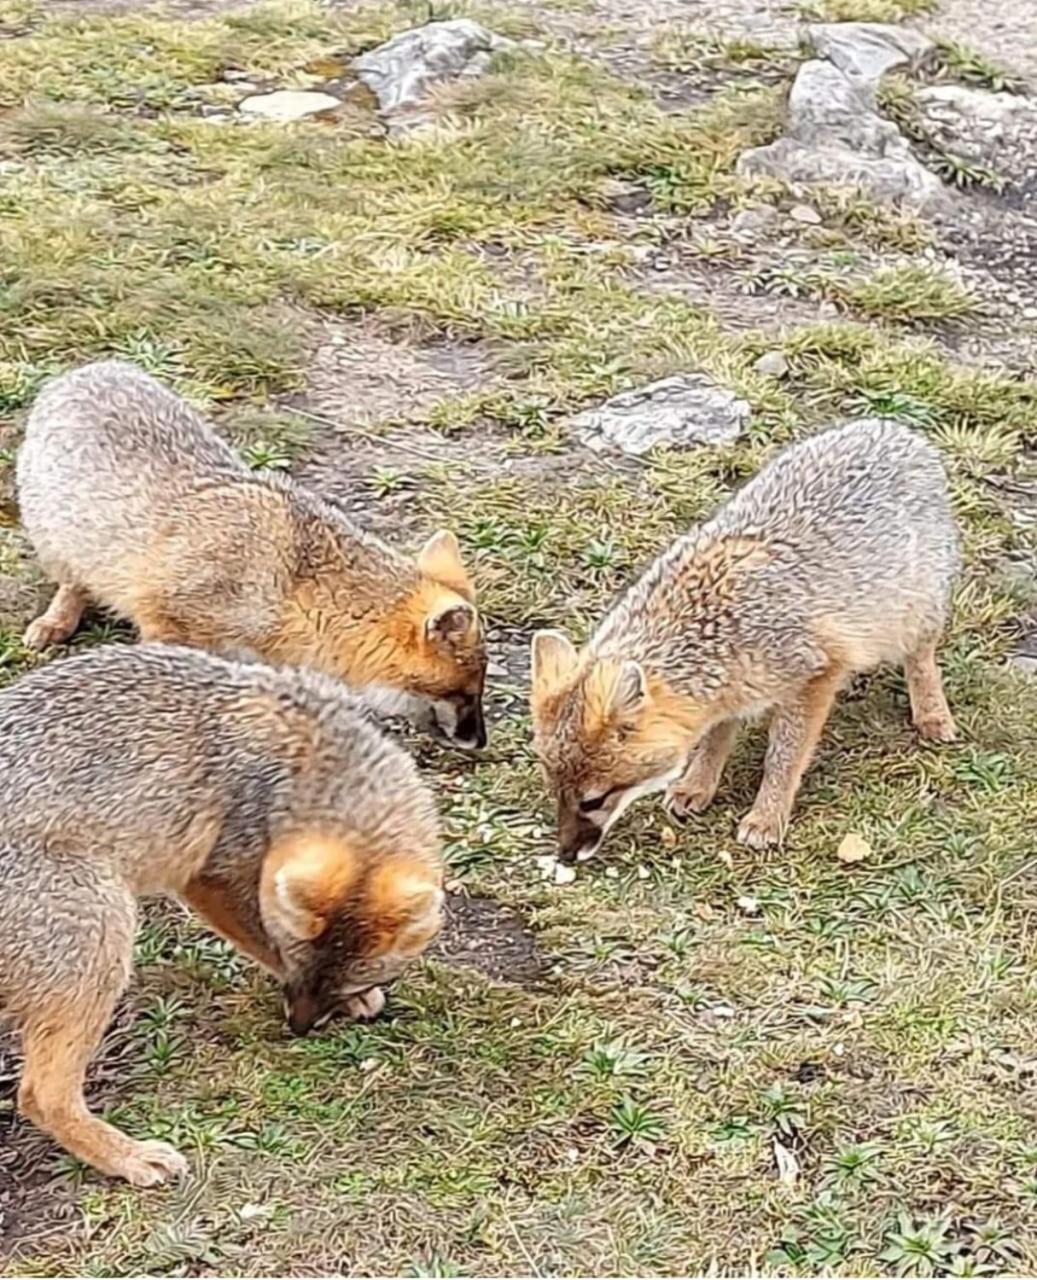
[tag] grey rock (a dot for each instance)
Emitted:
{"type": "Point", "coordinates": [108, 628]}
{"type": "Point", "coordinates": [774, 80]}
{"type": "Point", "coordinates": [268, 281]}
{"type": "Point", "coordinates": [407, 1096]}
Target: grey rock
{"type": "Point", "coordinates": [772, 364]}
{"type": "Point", "coordinates": [994, 129]}
{"type": "Point", "coordinates": [682, 411]}
{"type": "Point", "coordinates": [835, 135]}
{"type": "Point", "coordinates": [868, 49]}
{"type": "Point", "coordinates": [401, 72]}
{"type": "Point", "coordinates": [805, 213]}
{"type": "Point", "coordinates": [750, 223]}
{"type": "Point", "coordinates": [286, 105]}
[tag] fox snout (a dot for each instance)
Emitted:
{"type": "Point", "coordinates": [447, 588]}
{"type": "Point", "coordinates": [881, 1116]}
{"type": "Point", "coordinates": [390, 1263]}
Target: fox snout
{"type": "Point", "coordinates": [460, 720]}
{"type": "Point", "coordinates": [470, 729]}
{"type": "Point", "coordinates": [305, 1010]}
{"type": "Point", "coordinates": [578, 835]}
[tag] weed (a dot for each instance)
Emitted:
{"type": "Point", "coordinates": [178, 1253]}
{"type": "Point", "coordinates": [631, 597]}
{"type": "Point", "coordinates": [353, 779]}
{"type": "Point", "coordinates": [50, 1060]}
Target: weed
{"type": "Point", "coordinates": [919, 1248]}
{"type": "Point", "coordinates": [959, 62]}
{"type": "Point", "coordinates": [634, 1124]}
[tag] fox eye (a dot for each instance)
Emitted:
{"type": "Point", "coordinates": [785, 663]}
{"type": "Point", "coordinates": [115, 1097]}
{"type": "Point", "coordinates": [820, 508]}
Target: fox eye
{"type": "Point", "coordinates": [594, 803]}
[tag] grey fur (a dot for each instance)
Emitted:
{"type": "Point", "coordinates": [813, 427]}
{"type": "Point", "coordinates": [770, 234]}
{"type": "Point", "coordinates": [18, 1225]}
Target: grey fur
{"type": "Point", "coordinates": [859, 528]}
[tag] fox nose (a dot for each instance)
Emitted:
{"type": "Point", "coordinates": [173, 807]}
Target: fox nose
{"type": "Point", "coordinates": [471, 726]}
{"type": "Point", "coordinates": [578, 837]}
{"type": "Point", "coordinates": [304, 1011]}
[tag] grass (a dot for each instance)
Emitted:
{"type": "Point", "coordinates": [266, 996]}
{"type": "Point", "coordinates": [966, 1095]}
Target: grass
{"type": "Point", "coordinates": [728, 1061]}
{"type": "Point", "coordinates": [865, 10]}
{"type": "Point", "coordinates": [908, 292]}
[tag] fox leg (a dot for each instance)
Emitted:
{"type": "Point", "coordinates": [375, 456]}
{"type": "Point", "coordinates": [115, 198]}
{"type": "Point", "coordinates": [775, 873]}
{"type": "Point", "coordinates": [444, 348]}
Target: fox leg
{"type": "Point", "coordinates": [212, 902]}
{"type": "Point", "coordinates": [694, 790]}
{"type": "Point", "coordinates": [794, 733]}
{"type": "Point", "coordinates": [59, 620]}
{"type": "Point", "coordinates": [156, 628]}
{"type": "Point", "coordinates": [929, 710]}
{"type": "Point", "coordinates": [60, 1032]}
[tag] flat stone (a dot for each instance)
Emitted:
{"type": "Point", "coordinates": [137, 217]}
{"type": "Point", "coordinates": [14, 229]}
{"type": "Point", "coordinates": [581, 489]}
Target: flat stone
{"type": "Point", "coordinates": [401, 72]}
{"type": "Point", "coordinates": [868, 49]}
{"type": "Point", "coordinates": [806, 214]}
{"type": "Point", "coordinates": [750, 223]}
{"type": "Point", "coordinates": [682, 412]}
{"type": "Point", "coordinates": [286, 105]}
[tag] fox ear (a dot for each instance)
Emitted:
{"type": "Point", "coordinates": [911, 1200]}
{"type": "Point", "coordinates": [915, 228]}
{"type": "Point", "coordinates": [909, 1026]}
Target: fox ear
{"type": "Point", "coordinates": [304, 880]}
{"type": "Point", "coordinates": [451, 625]}
{"type": "Point", "coordinates": [630, 691]}
{"type": "Point", "coordinates": [440, 559]}
{"type": "Point", "coordinates": [553, 659]}
{"type": "Point", "coordinates": [616, 692]}
{"type": "Point", "coordinates": [406, 899]}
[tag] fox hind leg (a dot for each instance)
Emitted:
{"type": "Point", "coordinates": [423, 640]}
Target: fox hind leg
{"type": "Point", "coordinates": [60, 1032]}
{"type": "Point", "coordinates": [60, 619]}
{"type": "Point", "coordinates": [929, 710]}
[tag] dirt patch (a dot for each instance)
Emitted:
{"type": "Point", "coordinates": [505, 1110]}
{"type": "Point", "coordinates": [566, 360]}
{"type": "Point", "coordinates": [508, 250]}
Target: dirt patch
{"type": "Point", "coordinates": [480, 934]}
{"type": "Point", "coordinates": [364, 399]}
{"type": "Point", "coordinates": [361, 378]}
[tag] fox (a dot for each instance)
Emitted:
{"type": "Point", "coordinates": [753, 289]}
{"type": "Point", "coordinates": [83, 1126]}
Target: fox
{"type": "Point", "coordinates": [838, 556]}
{"type": "Point", "coordinates": [265, 799]}
{"type": "Point", "coordinates": [131, 501]}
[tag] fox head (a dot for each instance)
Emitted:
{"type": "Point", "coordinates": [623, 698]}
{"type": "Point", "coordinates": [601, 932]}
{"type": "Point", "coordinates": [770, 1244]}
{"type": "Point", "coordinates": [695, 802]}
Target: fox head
{"type": "Point", "coordinates": [606, 733]}
{"type": "Point", "coordinates": [343, 922]}
{"type": "Point", "coordinates": [443, 651]}
{"type": "Point", "coordinates": [405, 634]}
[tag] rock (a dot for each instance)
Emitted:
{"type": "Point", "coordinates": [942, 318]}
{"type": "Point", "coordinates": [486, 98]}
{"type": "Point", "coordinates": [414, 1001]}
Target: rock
{"type": "Point", "coordinates": [772, 364]}
{"type": "Point", "coordinates": [402, 71]}
{"type": "Point", "coordinates": [1024, 658]}
{"type": "Point", "coordinates": [804, 213]}
{"type": "Point", "coordinates": [868, 49]}
{"type": "Point", "coordinates": [285, 105]}
{"type": "Point", "coordinates": [682, 411]}
{"type": "Point", "coordinates": [750, 223]}
{"type": "Point", "coordinates": [996, 130]}
{"type": "Point", "coordinates": [835, 135]}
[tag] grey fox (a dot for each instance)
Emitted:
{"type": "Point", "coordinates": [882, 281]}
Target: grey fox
{"type": "Point", "coordinates": [132, 501]}
{"type": "Point", "coordinates": [839, 555]}
{"type": "Point", "coordinates": [265, 799]}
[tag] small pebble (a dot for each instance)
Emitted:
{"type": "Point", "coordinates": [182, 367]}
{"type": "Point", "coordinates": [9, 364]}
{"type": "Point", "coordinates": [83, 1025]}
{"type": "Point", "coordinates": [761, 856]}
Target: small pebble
{"type": "Point", "coordinates": [805, 214]}
{"type": "Point", "coordinates": [772, 364]}
{"type": "Point", "coordinates": [750, 906]}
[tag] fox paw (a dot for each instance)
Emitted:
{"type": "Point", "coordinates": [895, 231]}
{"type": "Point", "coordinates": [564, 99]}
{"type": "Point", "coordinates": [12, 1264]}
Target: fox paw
{"type": "Point", "coordinates": [937, 728]}
{"type": "Point", "coordinates": [365, 1006]}
{"type": "Point", "coordinates": [690, 798]}
{"type": "Point", "coordinates": [43, 634]}
{"type": "Point", "coordinates": [146, 1164]}
{"type": "Point", "coordinates": [760, 830]}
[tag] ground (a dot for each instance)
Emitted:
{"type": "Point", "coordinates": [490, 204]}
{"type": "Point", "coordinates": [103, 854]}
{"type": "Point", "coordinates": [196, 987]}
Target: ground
{"type": "Point", "coordinates": [694, 1057]}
